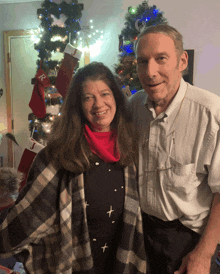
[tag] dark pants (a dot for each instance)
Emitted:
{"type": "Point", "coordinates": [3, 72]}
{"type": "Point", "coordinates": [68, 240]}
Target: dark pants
{"type": "Point", "coordinates": [167, 243]}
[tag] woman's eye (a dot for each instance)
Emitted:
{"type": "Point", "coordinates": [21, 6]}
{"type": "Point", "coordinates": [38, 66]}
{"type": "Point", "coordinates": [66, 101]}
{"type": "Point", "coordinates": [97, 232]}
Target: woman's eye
{"type": "Point", "coordinates": [86, 98]}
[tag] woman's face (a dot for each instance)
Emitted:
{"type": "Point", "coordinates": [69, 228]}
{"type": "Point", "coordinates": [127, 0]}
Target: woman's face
{"type": "Point", "coordinates": [98, 105]}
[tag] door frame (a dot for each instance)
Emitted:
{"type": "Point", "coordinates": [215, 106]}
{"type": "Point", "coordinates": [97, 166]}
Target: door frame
{"type": "Point", "coordinates": [8, 35]}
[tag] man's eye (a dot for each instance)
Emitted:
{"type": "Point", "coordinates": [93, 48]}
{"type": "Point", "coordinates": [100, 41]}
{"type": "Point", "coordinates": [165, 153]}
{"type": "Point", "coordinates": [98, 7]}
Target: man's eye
{"type": "Point", "coordinates": [161, 58]}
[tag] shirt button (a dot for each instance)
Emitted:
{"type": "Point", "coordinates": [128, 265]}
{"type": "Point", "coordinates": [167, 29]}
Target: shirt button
{"type": "Point", "coordinates": [96, 163]}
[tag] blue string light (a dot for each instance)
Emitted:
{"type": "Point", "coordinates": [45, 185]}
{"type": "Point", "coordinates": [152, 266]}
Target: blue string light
{"type": "Point", "coordinates": [133, 91]}
{"type": "Point", "coordinates": [128, 48]}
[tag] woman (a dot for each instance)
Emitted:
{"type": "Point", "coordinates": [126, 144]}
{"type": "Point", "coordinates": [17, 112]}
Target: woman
{"type": "Point", "coordinates": [79, 212]}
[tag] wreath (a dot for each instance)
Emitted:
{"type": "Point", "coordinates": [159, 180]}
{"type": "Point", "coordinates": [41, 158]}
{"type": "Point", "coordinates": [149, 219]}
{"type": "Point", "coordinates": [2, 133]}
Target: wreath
{"type": "Point", "coordinates": [60, 20]}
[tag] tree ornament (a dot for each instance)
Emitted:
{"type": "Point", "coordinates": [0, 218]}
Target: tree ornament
{"type": "Point", "coordinates": [145, 4]}
{"type": "Point", "coordinates": [60, 22]}
{"type": "Point", "coordinates": [140, 24]}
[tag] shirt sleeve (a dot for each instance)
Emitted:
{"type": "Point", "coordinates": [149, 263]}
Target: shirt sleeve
{"type": "Point", "coordinates": [214, 168]}
{"type": "Point", "coordinates": [34, 211]}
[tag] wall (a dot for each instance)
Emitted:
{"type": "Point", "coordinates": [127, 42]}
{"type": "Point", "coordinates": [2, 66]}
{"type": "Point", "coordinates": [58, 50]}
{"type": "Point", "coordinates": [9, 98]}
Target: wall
{"type": "Point", "coordinates": [197, 20]}
{"type": "Point", "coordinates": [13, 17]}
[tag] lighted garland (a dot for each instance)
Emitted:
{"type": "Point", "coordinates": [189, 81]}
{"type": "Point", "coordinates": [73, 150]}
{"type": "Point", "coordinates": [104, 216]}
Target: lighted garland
{"type": "Point", "coordinates": [52, 38]}
{"type": "Point", "coordinates": [73, 12]}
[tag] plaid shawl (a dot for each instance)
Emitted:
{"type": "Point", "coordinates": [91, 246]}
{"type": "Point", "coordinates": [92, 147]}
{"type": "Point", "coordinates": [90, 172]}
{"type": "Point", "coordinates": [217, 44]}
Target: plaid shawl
{"type": "Point", "coordinates": [47, 226]}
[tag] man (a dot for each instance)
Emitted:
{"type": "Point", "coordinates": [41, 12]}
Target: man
{"type": "Point", "coordinates": [179, 157]}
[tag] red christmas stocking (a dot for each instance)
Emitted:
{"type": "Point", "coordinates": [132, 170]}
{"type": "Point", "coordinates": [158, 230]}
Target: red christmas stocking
{"type": "Point", "coordinates": [27, 158]}
{"type": "Point", "coordinates": [37, 102]}
{"type": "Point", "coordinates": [71, 57]}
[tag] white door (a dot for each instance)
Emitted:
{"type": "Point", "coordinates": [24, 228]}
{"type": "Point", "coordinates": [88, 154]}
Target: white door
{"type": "Point", "coordinates": [23, 69]}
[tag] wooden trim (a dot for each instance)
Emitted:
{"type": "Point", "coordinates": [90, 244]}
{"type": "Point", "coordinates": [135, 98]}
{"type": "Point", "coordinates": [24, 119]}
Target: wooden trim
{"type": "Point", "coordinates": [7, 69]}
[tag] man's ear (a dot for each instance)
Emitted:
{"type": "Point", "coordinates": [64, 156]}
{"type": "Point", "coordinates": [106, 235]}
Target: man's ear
{"type": "Point", "coordinates": [183, 61]}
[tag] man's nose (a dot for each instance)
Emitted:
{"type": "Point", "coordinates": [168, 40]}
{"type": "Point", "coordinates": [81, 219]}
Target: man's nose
{"type": "Point", "coordinates": [152, 68]}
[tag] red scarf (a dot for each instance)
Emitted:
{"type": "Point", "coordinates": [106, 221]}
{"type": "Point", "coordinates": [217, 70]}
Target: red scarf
{"type": "Point", "coordinates": [103, 144]}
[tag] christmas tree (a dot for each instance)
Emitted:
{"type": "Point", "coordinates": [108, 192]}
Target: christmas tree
{"type": "Point", "coordinates": [60, 25]}
{"type": "Point", "coordinates": [137, 18]}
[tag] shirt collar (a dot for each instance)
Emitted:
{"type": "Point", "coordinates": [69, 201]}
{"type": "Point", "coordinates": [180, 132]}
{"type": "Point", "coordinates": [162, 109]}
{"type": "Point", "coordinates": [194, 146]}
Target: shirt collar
{"type": "Point", "coordinates": [175, 102]}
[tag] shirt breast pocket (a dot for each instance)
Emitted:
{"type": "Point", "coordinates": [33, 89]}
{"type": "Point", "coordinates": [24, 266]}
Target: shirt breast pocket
{"type": "Point", "coordinates": [180, 178]}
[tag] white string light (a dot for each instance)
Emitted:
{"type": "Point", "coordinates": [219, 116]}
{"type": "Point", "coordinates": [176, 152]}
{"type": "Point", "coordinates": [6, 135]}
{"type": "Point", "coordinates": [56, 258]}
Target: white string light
{"type": "Point", "coordinates": [89, 39]}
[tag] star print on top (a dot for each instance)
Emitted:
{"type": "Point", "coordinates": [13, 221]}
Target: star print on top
{"type": "Point", "coordinates": [104, 212]}
{"type": "Point", "coordinates": [110, 211]}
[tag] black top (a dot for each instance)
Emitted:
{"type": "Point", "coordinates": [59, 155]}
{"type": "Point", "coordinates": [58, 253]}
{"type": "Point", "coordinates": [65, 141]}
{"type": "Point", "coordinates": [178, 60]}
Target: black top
{"type": "Point", "coordinates": [104, 196]}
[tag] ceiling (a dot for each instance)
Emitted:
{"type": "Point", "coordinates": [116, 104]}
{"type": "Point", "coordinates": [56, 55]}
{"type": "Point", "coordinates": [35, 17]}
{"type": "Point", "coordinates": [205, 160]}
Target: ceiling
{"type": "Point", "coordinates": [16, 1]}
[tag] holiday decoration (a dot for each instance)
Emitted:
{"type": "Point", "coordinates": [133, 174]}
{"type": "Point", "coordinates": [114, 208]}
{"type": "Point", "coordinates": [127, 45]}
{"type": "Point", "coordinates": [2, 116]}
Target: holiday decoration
{"type": "Point", "coordinates": [57, 20]}
{"type": "Point", "coordinates": [132, 10]}
{"type": "Point", "coordinates": [89, 40]}
{"type": "Point", "coordinates": [136, 19]}
{"type": "Point", "coordinates": [71, 57]}
{"type": "Point", "coordinates": [37, 102]}
{"type": "Point", "coordinates": [59, 27]}
{"type": "Point", "coordinates": [33, 147]}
